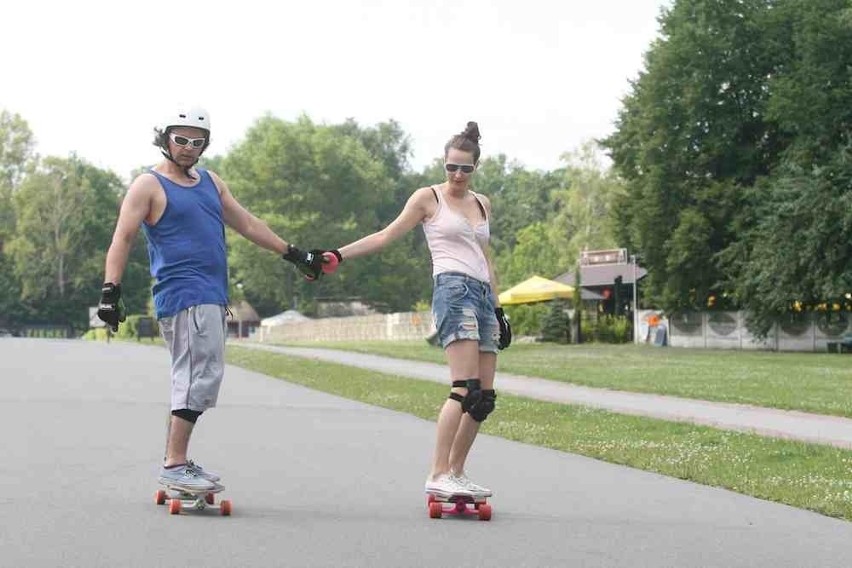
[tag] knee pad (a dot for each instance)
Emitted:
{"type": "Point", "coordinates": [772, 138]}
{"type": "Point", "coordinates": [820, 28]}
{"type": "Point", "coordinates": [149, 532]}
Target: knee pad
{"type": "Point", "coordinates": [456, 396]}
{"type": "Point", "coordinates": [187, 414]}
{"type": "Point", "coordinates": [474, 393]}
{"type": "Point", "coordinates": [484, 405]}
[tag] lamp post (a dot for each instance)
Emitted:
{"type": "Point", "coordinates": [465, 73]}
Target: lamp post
{"type": "Point", "coordinates": [633, 259]}
{"type": "Point", "coordinates": [239, 317]}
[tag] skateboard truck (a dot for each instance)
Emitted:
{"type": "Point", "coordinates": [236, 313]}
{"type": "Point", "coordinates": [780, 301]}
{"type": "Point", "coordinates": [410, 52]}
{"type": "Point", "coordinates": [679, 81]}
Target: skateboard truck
{"type": "Point", "coordinates": [458, 505]}
{"type": "Point", "coordinates": [180, 499]}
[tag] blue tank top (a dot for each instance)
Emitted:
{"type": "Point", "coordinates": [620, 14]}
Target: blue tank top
{"type": "Point", "coordinates": [186, 247]}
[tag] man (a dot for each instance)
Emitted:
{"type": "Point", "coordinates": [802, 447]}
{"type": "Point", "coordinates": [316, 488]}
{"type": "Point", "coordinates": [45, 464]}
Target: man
{"type": "Point", "coordinates": [183, 210]}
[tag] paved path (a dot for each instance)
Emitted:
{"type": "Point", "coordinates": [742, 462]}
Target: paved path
{"type": "Point", "coordinates": [831, 430]}
{"type": "Point", "coordinates": [320, 481]}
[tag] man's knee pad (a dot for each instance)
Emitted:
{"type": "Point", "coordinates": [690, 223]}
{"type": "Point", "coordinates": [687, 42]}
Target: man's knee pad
{"type": "Point", "coordinates": [187, 414]}
{"type": "Point", "coordinates": [484, 405]}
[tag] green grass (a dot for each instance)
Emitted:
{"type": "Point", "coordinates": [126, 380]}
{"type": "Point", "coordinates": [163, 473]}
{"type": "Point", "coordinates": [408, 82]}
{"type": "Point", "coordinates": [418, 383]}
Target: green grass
{"type": "Point", "coordinates": [810, 382]}
{"type": "Point", "coordinates": [807, 476]}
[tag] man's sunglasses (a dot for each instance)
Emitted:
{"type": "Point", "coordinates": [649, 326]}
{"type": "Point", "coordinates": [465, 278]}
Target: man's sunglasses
{"type": "Point", "coordinates": [187, 142]}
{"type": "Point", "coordinates": [465, 168]}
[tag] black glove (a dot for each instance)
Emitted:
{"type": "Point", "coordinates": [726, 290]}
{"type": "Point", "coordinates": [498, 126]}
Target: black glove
{"type": "Point", "coordinates": [111, 309]}
{"type": "Point", "coordinates": [505, 329]}
{"type": "Point", "coordinates": [308, 263]}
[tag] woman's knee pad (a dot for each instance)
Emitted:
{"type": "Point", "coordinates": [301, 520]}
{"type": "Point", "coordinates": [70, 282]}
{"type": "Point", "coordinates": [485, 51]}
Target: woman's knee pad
{"type": "Point", "coordinates": [484, 405]}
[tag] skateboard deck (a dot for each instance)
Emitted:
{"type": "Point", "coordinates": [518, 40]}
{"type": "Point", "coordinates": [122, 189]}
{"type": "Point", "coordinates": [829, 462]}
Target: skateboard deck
{"type": "Point", "coordinates": [462, 505]}
{"type": "Point", "coordinates": [181, 498]}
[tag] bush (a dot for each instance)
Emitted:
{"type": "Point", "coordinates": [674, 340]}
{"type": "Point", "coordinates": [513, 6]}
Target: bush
{"type": "Point", "coordinates": [526, 319]}
{"type": "Point", "coordinates": [556, 325]}
{"type": "Point", "coordinates": [606, 329]}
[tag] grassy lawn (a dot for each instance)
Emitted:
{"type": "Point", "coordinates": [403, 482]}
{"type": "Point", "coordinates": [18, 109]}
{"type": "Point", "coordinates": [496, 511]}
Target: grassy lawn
{"type": "Point", "coordinates": [810, 382]}
{"type": "Point", "coordinates": [807, 476]}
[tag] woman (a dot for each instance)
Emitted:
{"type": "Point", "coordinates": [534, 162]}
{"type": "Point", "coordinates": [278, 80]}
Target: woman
{"type": "Point", "coordinates": [471, 325]}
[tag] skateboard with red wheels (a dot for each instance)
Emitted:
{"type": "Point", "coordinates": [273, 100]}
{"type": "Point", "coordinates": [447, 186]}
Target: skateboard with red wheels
{"type": "Point", "coordinates": [182, 499]}
{"type": "Point", "coordinates": [462, 505]}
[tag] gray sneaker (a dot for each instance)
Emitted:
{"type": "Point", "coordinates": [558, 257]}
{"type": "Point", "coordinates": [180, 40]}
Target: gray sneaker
{"type": "Point", "coordinates": [182, 477]}
{"type": "Point", "coordinates": [201, 472]}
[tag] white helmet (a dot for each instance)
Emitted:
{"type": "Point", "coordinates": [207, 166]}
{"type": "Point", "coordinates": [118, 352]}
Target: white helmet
{"type": "Point", "coordinates": [195, 117]}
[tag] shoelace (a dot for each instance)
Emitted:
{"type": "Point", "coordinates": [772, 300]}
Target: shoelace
{"type": "Point", "coordinates": [466, 482]}
{"type": "Point", "coordinates": [457, 482]}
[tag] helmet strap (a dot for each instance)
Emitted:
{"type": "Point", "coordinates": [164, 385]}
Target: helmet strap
{"type": "Point", "coordinates": [185, 169]}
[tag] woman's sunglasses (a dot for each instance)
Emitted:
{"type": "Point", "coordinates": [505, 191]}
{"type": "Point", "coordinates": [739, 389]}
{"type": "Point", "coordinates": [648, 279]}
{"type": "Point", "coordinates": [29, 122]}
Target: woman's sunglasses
{"type": "Point", "coordinates": [465, 168]}
{"type": "Point", "coordinates": [187, 142]}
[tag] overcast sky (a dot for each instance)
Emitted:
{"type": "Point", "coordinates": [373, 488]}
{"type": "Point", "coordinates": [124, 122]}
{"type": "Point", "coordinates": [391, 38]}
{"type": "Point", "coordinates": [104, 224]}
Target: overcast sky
{"type": "Point", "coordinates": [540, 77]}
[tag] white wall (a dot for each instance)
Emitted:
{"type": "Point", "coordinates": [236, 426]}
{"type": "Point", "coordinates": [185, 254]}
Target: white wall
{"type": "Point", "coordinates": [727, 330]}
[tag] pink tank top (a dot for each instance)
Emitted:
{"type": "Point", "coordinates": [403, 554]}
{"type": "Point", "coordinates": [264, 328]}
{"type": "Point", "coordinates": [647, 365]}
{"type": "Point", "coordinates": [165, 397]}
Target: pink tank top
{"type": "Point", "coordinates": [456, 246]}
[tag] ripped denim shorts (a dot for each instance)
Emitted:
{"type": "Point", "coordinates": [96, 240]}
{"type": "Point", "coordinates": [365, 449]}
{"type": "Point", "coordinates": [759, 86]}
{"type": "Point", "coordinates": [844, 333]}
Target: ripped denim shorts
{"type": "Point", "coordinates": [463, 308]}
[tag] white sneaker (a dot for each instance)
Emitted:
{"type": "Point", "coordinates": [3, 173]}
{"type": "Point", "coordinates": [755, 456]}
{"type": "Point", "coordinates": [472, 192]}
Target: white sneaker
{"type": "Point", "coordinates": [477, 490]}
{"type": "Point", "coordinates": [446, 485]}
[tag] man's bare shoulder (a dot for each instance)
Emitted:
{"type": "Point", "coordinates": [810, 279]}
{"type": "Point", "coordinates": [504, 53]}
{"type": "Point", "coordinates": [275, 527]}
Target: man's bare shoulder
{"type": "Point", "coordinates": [144, 186]}
{"type": "Point", "coordinates": [145, 180]}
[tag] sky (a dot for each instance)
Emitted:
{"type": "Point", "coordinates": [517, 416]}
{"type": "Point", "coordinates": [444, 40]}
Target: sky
{"type": "Point", "coordinates": [541, 77]}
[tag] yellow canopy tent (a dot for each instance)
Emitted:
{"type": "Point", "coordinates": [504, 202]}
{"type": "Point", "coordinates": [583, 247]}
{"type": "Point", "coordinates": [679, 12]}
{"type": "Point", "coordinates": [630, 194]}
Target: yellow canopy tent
{"type": "Point", "coordinates": [535, 289]}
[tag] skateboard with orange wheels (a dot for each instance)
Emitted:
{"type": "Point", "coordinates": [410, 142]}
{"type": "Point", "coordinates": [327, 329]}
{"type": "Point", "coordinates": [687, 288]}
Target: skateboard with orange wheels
{"type": "Point", "coordinates": [180, 499]}
{"type": "Point", "coordinates": [462, 505]}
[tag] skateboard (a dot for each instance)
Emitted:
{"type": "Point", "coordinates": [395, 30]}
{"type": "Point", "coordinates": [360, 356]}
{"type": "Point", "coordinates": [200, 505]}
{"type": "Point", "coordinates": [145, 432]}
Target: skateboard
{"type": "Point", "coordinates": [462, 505]}
{"type": "Point", "coordinates": [180, 498]}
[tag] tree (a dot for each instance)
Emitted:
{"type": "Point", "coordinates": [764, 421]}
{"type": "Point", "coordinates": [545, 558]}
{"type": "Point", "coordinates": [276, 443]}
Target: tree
{"type": "Point", "coordinates": [65, 210]}
{"type": "Point", "coordinates": [556, 326]}
{"type": "Point", "coordinates": [584, 208]}
{"type": "Point", "coordinates": [16, 145]}
{"type": "Point", "coordinates": [318, 187]}
{"type": "Point", "coordinates": [691, 136]}
{"type": "Point", "coordinates": [795, 252]}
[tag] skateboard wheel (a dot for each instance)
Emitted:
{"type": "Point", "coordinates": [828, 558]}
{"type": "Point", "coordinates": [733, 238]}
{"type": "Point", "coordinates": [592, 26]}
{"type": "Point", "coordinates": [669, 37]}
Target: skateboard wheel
{"type": "Point", "coordinates": [210, 498]}
{"type": "Point", "coordinates": [430, 499]}
{"type": "Point", "coordinates": [435, 510]}
{"type": "Point", "coordinates": [225, 508]}
{"type": "Point", "coordinates": [485, 512]}
{"type": "Point", "coordinates": [175, 506]}
{"type": "Point", "coordinates": [160, 497]}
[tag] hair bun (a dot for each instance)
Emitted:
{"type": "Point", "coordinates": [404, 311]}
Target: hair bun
{"type": "Point", "coordinates": [472, 132]}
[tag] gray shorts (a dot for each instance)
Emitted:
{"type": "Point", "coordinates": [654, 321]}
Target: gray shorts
{"type": "Point", "coordinates": [196, 340]}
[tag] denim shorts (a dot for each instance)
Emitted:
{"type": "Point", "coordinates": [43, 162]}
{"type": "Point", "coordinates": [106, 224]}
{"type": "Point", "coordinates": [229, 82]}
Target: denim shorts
{"type": "Point", "coordinates": [463, 308]}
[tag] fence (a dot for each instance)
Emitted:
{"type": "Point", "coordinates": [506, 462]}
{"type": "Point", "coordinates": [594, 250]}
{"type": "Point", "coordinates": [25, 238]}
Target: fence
{"type": "Point", "coordinates": [727, 330]}
{"type": "Point", "coordinates": [376, 327]}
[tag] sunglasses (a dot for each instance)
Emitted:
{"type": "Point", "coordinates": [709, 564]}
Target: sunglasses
{"type": "Point", "coordinates": [187, 142]}
{"type": "Point", "coordinates": [465, 168]}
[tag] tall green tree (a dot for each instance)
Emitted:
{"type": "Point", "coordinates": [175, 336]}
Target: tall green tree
{"type": "Point", "coordinates": [691, 135]}
{"type": "Point", "coordinates": [65, 212]}
{"type": "Point", "coordinates": [319, 187]}
{"type": "Point", "coordinates": [796, 246]}
{"type": "Point", "coordinates": [16, 155]}
{"type": "Point", "coordinates": [584, 207]}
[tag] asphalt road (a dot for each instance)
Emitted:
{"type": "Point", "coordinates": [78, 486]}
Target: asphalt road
{"type": "Point", "coordinates": [318, 480]}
